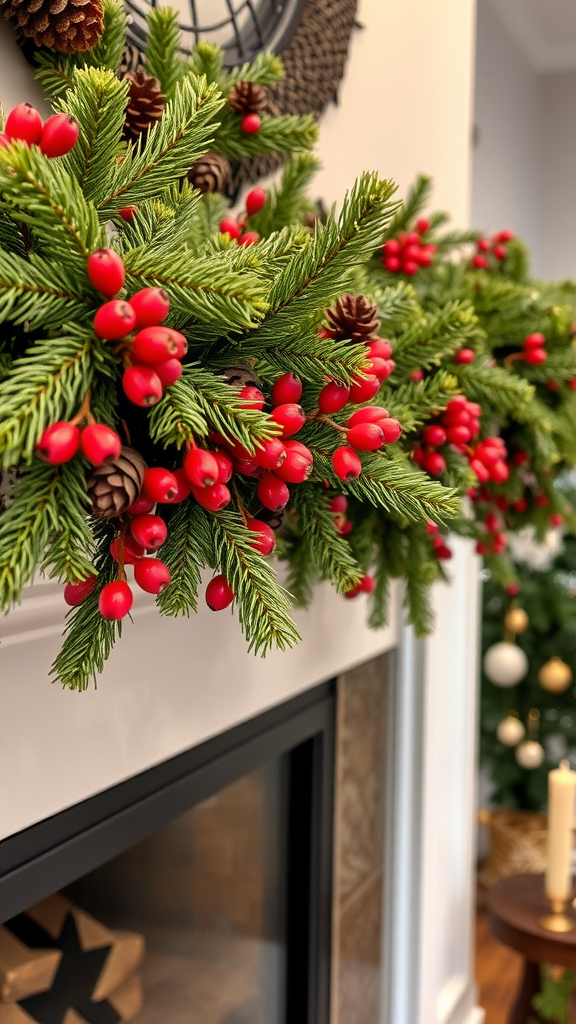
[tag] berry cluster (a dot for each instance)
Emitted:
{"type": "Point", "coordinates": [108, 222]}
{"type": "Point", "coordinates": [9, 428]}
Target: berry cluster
{"type": "Point", "coordinates": [494, 540]}
{"type": "Point", "coordinates": [408, 252]}
{"type": "Point", "coordinates": [440, 548]}
{"type": "Point", "coordinates": [366, 430]}
{"type": "Point", "coordinates": [55, 137]}
{"type": "Point", "coordinates": [255, 201]}
{"type": "Point", "coordinates": [533, 351]}
{"type": "Point", "coordinates": [458, 426]}
{"type": "Point", "coordinates": [339, 506]}
{"type": "Point", "coordinates": [491, 249]}
{"type": "Point", "coordinates": [488, 460]}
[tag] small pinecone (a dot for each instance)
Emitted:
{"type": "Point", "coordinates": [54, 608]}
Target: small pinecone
{"type": "Point", "coordinates": [70, 26]}
{"type": "Point", "coordinates": [146, 103]}
{"type": "Point", "coordinates": [248, 98]}
{"type": "Point", "coordinates": [242, 375]}
{"type": "Point", "coordinates": [113, 487]}
{"type": "Point", "coordinates": [274, 519]}
{"type": "Point", "coordinates": [353, 318]}
{"type": "Point", "coordinates": [211, 173]}
{"type": "Point", "coordinates": [132, 61]}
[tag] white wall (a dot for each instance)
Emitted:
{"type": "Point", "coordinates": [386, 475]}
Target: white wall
{"type": "Point", "coordinates": [558, 184]}
{"type": "Point", "coordinates": [507, 115]}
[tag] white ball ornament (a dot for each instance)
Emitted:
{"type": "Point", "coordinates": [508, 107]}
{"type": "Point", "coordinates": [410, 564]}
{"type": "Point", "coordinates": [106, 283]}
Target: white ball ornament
{"type": "Point", "coordinates": [505, 664]}
{"type": "Point", "coordinates": [510, 731]}
{"type": "Point", "coordinates": [529, 754]}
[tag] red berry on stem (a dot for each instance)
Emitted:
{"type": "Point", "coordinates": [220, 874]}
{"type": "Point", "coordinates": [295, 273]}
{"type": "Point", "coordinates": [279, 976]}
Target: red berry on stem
{"type": "Point", "coordinates": [380, 347]}
{"type": "Point", "coordinates": [149, 532]}
{"type": "Point", "coordinates": [106, 271]}
{"type": "Point", "coordinates": [246, 467]}
{"type": "Point", "coordinates": [434, 435]}
{"type": "Point", "coordinates": [219, 594]}
{"type": "Point", "coordinates": [225, 467]}
{"type": "Point", "coordinates": [115, 600]}
{"type": "Point", "coordinates": [151, 306]}
{"type": "Point", "coordinates": [100, 444]}
{"type": "Point", "coordinates": [367, 583]}
{"type": "Point", "coordinates": [417, 376]}
{"type": "Point", "coordinates": [339, 503]}
{"type": "Point", "coordinates": [480, 262]}
{"type": "Point", "coordinates": [24, 123]}
{"type": "Point", "coordinates": [229, 226]}
{"type": "Point", "coordinates": [286, 390]}
{"type": "Point", "coordinates": [76, 593]}
{"type": "Point", "coordinates": [160, 484]}
{"type": "Point", "coordinates": [270, 454]}
{"type": "Point", "coordinates": [290, 417]}
{"type": "Point", "coordinates": [272, 492]}
{"type": "Point", "coordinates": [362, 390]}
{"type": "Point", "coordinates": [443, 552]}
{"type": "Point", "coordinates": [152, 575]}
{"type": "Point", "coordinates": [333, 397]}
{"type": "Point", "coordinates": [458, 435]}
{"type": "Point", "coordinates": [379, 368]}
{"type": "Point", "coordinates": [255, 201]}
{"type": "Point", "coordinates": [157, 344]}
{"type": "Point", "coordinates": [201, 468]}
{"type": "Point", "coordinates": [250, 124]}
{"type": "Point", "coordinates": [483, 245]}
{"type": "Point", "coordinates": [535, 356]}
{"type": "Point", "coordinates": [542, 500]}
{"type": "Point", "coordinates": [521, 505]}
{"type": "Point", "coordinates": [535, 340]}
{"type": "Point", "coordinates": [59, 443]}
{"type": "Point", "coordinates": [264, 539]}
{"type": "Point", "coordinates": [128, 213]}
{"type": "Point", "coordinates": [392, 264]}
{"type": "Point", "coordinates": [184, 487]}
{"type": "Point", "coordinates": [391, 429]}
{"type": "Point", "coordinates": [365, 437]}
{"type": "Point", "coordinates": [434, 463]}
{"type": "Point", "coordinates": [252, 398]}
{"type": "Point", "coordinates": [249, 238]}
{"type": "Point", "coordinates": [124, 549]}
{"type": "Point", "coordinates": [369, 414]}
{"type": "Point", "coordinates": [499, 472]}
{"type": "Point", "coordinates": [141, 505]}
{"type": "Point", "coordinates": [346, 463]}
{"type": "Point", "coordinates": [391, 247]}
{"type": "Point", "coordinates": [513, 589]}
{"type": "Point", "coordinates": [556, 519]}
{"type": "Point", "coordinates": [213, 498]}
{"type": "Point", "coordinates": [504, 236]}
{"type": "Point", "coordinates": [59, 135]}
{"type": "Point", "coordinates": [297, 466]}
{"type": "Point", "coordinates": [168, 372]}
{"type": "Point", "coordinates": [423, 225]}
{"type": "Point", "coordinates": [114, 320]}
{"type": "Point", "coordinates": [465, 355]}
{"type": "Point", "coordinates": [142, 385]}
{"type": "Point", "coordinates": [499, 252]}
{"type": "Point", "coordinates": [432, 528]}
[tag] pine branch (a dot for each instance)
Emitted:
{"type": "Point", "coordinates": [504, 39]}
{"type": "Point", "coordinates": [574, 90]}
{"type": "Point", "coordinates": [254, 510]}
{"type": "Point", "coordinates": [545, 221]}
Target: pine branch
{"type": "Point", "coordinates": [421, 571]}
{"type": "Point", "coordinates": [263, 606]}
{"type": "Point", "coordinates": [332, 553]}
{"type": "Point", "coordinates": [495, 388]}
{"type": "Point", "coordinates": [435, 336]}
{"type": "Point", "coordinates": [38, 293]}
{"type": "Point", "coordinates": [98, 102]}
{"type": "Point", "coordinates": [286, 134]}
{"type": "Point", "coordinates": [185, 552]}
{"type": "Point", "coordinates": [413, 404]}
{"type": "Point", "coordinates": [286, 202]}
{"type": "Point", "coordinates": [414, 203]}
{"type": "Point", "coordinates": [266, 69]}
{"type": "Point", "coordinates": [162, 58]}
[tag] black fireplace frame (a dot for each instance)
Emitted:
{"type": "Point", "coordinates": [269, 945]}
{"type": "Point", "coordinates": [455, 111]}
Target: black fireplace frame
{"type": "Point", "coordinates": [58, 850]}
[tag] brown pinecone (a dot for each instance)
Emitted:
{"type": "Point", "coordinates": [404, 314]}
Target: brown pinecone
{"type": "Point", "coordinates": [353, 318]}
{"type": "Point", "coordinates": [248, 98]}
{"type": "Point", "coordinates": [146, 103]}
{"type": "Point", "coordinates": [242, 375]}
{"type": "Point", "coordinates": [210, 173]}
{"type": "Point", "coordinates": [70, 26]}
{"type": "Point", "coordinates": [113, 487]}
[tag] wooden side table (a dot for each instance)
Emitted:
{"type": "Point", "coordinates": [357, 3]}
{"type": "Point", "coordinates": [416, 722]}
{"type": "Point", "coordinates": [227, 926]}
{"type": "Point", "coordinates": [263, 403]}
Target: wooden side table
{"type": "Point", "coordinates": [515, 906]}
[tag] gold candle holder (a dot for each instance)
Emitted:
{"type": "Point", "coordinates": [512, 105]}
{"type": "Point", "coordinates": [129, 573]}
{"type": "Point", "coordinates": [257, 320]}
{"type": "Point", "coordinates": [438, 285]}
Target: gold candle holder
{"type": "Point", "coordinates": [561, 919]}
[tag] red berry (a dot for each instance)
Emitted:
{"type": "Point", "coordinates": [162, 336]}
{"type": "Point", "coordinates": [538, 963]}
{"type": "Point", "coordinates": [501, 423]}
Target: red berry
{"type": "Point", "coordinates": [513, 589]}
{"type": "Point", "coordinates": [160, 484]}
{"type": "Point", "coordinates": [252, 398]}
{"type": "Point", "coordinates": [157, 344]}
{"type": "Point", "coordinates": [152, 575]}
{"type": "Point", "coordinates": [100, 444]}
{"type": "Point", "coordinates": [483, 245]}
{"type": "Point", "coordinates": [297, 466]}
{"type": "Point", "coordinates": [59, 135]}
{"type": "Point", "coordinates": [149, 532]}
{"type": "Point", "coordinates": [114, 320]}
{"type": "Point", "coordinates": [410, 267]}
{"type": "Point", "coordinates": [423, 225]}
{"type": "Point", "coordinates": [465, 355]}
{"type": "Point", "coordinates": [457, 404]}
{"type": "Point", "coordinates": [499, 252]}
{"type": "Point", "coordinates": [264, 539]}
{"type": "Point", "coordinates": [499, 543]}
{"type": "Point", "coordinates": [552, 385]}
{"type": "Point", "coordinates": [521, 505]}
{"type": "Point", "coordinates": [367, 583]}
{"type": "Point", "coordinates": [519, 458]}
{"type": "Point", "coordinates": [571, 382]}
{"type": "Point", "coordinates": [392, 264]}
{"type": "Point", "coordinates": [391, 429]}
{"type": "Point", "coordinates": [391, 247]}
{"type": "Point", "coordinates": [106, 271]}
{"type": "Point", "coordinates": [168, 372]}
{"type": "Point", "coordinates": [229, 226]}
{"type": "Point", "coordinates": [213, 498]}
{"type": "Point", "coordinates": [499, 472]}
{"type": "Point", "coordinates": [536, 340]}
{"type": "Point", "coordinates": [434, 435]}
{"type": "Point", "coordinates": [24, 123]}
{"type": "Point", "coordinates": [333, 397]}
{"type": "Point", "coordinates": [291, 418]}
{"type": "Point", "coordinates": [541, 500]}
{"type": "Point", "coordinates": [369, 414]}
{"type": "Point", "coordinates": [249, 238]}
{"type": "Point", "coordinates": [339, 503]}
{"type": "Point", "coordinates": [201, 468]}
{"type": "Point", "coordinates": [458, 435]}
{"type": "Point", "coordinates": [346, 463]}
{"type": "Point", "coordinates": [255, 200]}
{"type": "Point", "coordinates": [142, 385]}
{"type": "Point", "coordinates": [434, 463]}
{"type": "Point", "coordinates": [556, 519]}
{"type": "Point", "coordinates": [250, 124]}
{"type": "Point", "coordinates": [128, 213]}
{"type": "Point", "coordinates": [443, 552]}
{"type": "Point", "coordinates": [151, 306]}
{"type": "Point", "coordinates": [350, 594]}
{"type": "Point", "coordinates": [225, 467]}
{"type": "Point", "coordinates": [362, 390]}
{"type": "Point", "coordinates": [480, 262]}
{"type": "Point", "coordinates": [218, 594]}
{"type": "Point", "coordinates": [379, 368]}
{"type": "Point", "coordinates": [504, 236]}
{"type": "Point", "coordinates": [535, 356]}
{"type": "Point", "coordinates": [115, 600]}
{"type": "Point", "coordinates": [272, 492]}
{"type": "Point", "coordinates": [502, 503]}
{"type": "Point", "coordinates": [246, 467]}
{"type": "Point", "coordinates": [59, 443]}
{"type": "Point", "coordinates": [125, 549]}
{"type": "Point", "coordinates": [417, 376]}
{"type": "Point", "coordinates": [270, 454]}
{"type": "Point", "coordinates": [432, 528]}
{"type": "Point", "coordinates": [365, 437]}
{"type": "Point", "coordinates": [184, 487]}
{"type": "Point", "coordinates": [141, 506]}
{"type": "Point", "coordinates": [481, 548]}
{"type": "Point", "coordinates": [76, 593]}
{"type": "Point", "coordinates": [286, 390]}
{"type": "Point", "coordinates": [492, 522]}
{"type": "Point", "coordinates": [380, 347]}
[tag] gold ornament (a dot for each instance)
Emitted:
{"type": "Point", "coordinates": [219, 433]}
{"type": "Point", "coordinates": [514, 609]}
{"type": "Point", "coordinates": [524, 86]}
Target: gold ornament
{"type": "Point", "coordinates": [516, 620]}
{"type": "Point", "coordinates": [511, 730]}
{"type": "Point", "coordinates": [555, 676]}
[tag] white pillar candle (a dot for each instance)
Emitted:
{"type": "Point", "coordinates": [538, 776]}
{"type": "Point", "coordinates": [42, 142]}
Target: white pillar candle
{"type": "Point", "coordinates": [561, 792]}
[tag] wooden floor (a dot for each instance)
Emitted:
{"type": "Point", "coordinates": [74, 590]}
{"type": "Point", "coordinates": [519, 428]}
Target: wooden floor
{"type": "Point", "coordinates": [497, 971]}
